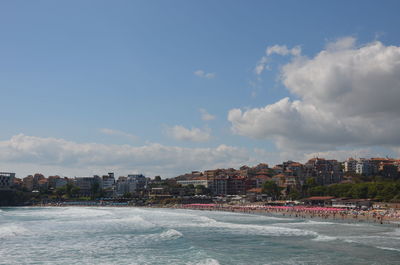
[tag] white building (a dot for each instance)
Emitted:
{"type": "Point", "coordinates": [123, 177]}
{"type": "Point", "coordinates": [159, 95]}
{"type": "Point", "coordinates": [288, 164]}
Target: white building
{"type": "Point", "coordinates": [364, 167]}
{"type": "Point", "coordinates": [350, 165]}
{"type": "Point", "coordinates": [195, 182]}
{"type": "Point", "coordinates": [131, 184]}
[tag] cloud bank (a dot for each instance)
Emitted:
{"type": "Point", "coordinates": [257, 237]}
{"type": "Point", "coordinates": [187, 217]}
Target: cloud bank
{"type": "Point", "coordinates": [59, 156]}
{"type": "Point", "coordinates": [344, 96]}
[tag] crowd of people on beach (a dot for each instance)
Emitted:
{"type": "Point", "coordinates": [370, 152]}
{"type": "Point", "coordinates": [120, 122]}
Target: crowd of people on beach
{"type": "Point", "coordinates": [371, 215]}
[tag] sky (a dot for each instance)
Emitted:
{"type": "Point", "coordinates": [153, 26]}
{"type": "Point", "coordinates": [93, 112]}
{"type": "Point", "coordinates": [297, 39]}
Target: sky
{"type": "Point", "coordinates": [169, 87]}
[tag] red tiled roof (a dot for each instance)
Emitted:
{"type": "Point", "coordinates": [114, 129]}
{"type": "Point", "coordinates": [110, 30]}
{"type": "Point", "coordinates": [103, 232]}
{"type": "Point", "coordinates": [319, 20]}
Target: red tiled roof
{"type": "Point", "coordinates": [255, 190]}
{"type": "Point", "coordinates": [319, 198]}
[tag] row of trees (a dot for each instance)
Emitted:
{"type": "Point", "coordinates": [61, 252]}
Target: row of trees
{"type": "Point", "coordinates": [387, 191]}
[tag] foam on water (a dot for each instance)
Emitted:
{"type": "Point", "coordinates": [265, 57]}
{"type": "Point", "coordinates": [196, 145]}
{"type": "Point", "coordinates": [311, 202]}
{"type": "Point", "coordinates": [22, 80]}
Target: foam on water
{"type": "Point", "coordinates": [12, 230]}
{"type": "Point", "coordinates": [171, 234]}
{"type": "Point", "coordinates": [387, 248]}
{"type": "Point", "coordinates": [268, 230]}
{"type": "Point", "coordinates": [324, 238]}
{"type": "Point", "coordinates": [207, 261]}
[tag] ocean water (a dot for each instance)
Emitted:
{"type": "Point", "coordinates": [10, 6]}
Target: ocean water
{"type": "Point", "coordinates": [78, 235]}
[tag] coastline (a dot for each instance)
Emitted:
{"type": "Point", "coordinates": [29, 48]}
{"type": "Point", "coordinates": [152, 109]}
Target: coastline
{"type": "Point", "coordinates": [309, 213]}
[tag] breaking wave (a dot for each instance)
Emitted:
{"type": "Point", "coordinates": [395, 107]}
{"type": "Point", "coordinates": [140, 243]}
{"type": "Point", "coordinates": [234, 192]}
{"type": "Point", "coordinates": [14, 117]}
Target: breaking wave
{"type": "Point", "coordinates": [392, 249]}
{"type": "Point", "coordinates": [12, 230]}
{"type": "Point", "coordinates": [268, 230]}
{"type": "Point", "coordinates": [208, 261]}
{"type": "Point", "coordinates": [324, 238]}
{"type": "Point", "coordinates": [171, 234]}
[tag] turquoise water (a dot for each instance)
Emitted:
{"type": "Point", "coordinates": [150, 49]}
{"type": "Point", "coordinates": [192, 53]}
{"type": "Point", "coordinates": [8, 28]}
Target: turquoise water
{"type": "Point", "coordinates": [172, 236]}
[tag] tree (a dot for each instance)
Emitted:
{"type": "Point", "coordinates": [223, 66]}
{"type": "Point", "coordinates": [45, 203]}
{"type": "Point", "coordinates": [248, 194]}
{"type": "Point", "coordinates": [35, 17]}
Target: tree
{"type": "Point", "coordinates": [71, 190]}
{"type": "Point", "coordinates": [271, 189]}
{"type": "Point", "coordinates": [157, 178]}
{"type": "Point", "coordinates": [95, 190]}
{"type": "Point", "coordinates": [60, 192]}
{"type": "Point", "coordinates": [201, 190]}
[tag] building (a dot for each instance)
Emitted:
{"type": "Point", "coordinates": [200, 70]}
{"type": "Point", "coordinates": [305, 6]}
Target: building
{"type": "Point", "coordinates": [219, 186]}
{"type": "Point", "coordinates": [133, 184]}
{"type": "Point", "coordinates": [324, 171]}
{"type": "Point", "coordinates": [137, 183]}
{"type": "Point", "coordinates": [108, 181]}
{"type": "Point", "coordinates": [27, 183]}
{"type": "Point", "coordinates": [364, 167]}
{"type": "Point", "coordinates": [87, 185]}
{"type": "Point", "coordinates": [236, 185]}
{"type": "Point", "coordinates": [121, 186]}
{"type": "Point", "coordinates": [350, 165]}
{"type": "Point", "coordinates": [6, 180]}
{"type": "Point", "coordinates": [195, 181]}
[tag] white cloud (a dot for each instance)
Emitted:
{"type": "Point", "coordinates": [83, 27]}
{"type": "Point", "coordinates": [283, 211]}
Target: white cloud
{"type": "Point", "coordinates": [261, 65]}
{"type": "Point", "coordinates": [203, 74]}
{"type": "Point", "coordinates": [347, 96]}
{"type": "Point", "coordinates": [181, 133]}
{"type": "Point", "coordinates": [341, 44]}
{"type": "Point", "coordinates": [118, 133]}
{"type": "Point", "coordinates": [205, 116]}
{"type": "Point", "coordinates": [29, 154]}
{"type": "Point", "coordinates": [283, 50]}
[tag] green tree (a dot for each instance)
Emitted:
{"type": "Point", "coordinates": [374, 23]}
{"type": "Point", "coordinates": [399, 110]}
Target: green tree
{"type": "Point", "coordinates": [157, 178]}
{"type": "Point", "coordinates": [271, 189]}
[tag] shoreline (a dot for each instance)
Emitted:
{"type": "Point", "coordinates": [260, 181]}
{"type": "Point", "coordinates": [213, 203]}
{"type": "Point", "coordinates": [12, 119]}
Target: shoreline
{"type": "Point", "coordinates": [305, 213]}
{"type": "Point", "coordinates": [343, 216]}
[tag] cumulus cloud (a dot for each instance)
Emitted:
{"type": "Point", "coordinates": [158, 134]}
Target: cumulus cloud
{"type": "Point", "coordinates": [205, 116]}
{"type": "Point", "coordinates": [282, 50]}
{"type": "Point", "coordinates": [346, 95]}
{"type": "Point", "coordinates": [203, 74]}
{"type": "Point", "coordinates": [341, 44]}
{"type": "Point", "coordinates": [181, 133]}
{"type": "Point", "coordinates": [22, 153]}
{"type": "Point", "coordinates": [108, 131]}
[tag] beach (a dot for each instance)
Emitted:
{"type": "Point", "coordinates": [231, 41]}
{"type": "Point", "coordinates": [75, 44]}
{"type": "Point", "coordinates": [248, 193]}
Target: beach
{"type": "Point", "coordinates": [390, 216]}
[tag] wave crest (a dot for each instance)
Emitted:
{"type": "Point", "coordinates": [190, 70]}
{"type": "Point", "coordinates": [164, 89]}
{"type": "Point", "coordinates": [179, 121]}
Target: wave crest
{"type": "Point", "coordinates": [12, 230]}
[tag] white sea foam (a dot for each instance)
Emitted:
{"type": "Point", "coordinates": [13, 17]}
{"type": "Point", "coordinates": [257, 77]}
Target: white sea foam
{"type": "Point", "coordinates": [83, 212]}
{"type": "Point", "coordinates": [306, 223]}
{"type": "Point", "coordinates": [387, 248]}
{"type": "Point", "coordinates": [207, 261]}
{"type": "Point", "coordinates": [12, 230]}
{"type": "Point", "coordinates": [324, 238]}
{"type": "Point", "coordinates": [268, 230]}
{"type": "Point", "coordinates": [171, 234]}
{"type": "Point", "coordinates": [207, 222]}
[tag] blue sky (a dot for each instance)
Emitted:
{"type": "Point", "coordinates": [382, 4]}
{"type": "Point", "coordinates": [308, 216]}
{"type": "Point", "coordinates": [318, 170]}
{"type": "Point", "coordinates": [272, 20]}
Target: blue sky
{"type": "Point", "coordinates": [117, 74]}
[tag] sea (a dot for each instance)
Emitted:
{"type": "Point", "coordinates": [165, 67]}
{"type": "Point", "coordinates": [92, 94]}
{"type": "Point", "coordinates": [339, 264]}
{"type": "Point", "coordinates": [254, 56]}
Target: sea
{"type": "Point", "coordinates": [106, 235]}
